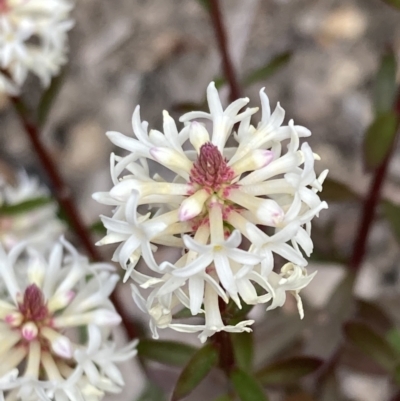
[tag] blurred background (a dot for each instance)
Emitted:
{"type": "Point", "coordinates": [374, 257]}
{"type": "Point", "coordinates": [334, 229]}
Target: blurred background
{"type": "Point", "coordinates": [319, 59]}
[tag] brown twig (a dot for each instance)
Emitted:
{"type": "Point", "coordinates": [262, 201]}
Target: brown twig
{"type": "Point", "coordinates": [64, 198]}
{"type": "Point", "coordinates": [372, 200]}
{"type": "Point", "coordinates": [220, 33]}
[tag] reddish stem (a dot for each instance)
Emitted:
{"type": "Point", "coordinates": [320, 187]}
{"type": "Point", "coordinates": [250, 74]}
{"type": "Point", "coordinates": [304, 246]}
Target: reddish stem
{"type": "Point", "coordinates": [220, 33]}
{"type": "Point", "coordinates": [372, 200]}
{"type": "Point", "coordinates": [64, 198]}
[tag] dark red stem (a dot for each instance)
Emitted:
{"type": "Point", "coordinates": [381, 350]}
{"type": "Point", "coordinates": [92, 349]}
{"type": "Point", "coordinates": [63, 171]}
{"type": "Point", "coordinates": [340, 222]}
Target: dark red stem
{"type": "Point", "coordinates": [220, 33]}
{"type": "Point", "coordinates": [66, 202]}
{"type": "Point", "coordinates": [371, 201]}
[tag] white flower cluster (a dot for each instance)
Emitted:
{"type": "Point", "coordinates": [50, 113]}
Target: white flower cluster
{"type": "Point", "coordinates": [236, 199]}
{"type": "Point", "coordinates": [33, 38]}
{"type": "Point", "coordinates": [48, 295]}
{"type": "Point", "coordinates": [39, 225]}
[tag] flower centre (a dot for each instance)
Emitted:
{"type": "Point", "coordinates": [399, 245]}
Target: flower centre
{"type": "Point", "coordinates": [32, 314]}
{"type": "Point", "coordinates": [210, 170]}
{"type": "Point", "coordinates": [33, 306]}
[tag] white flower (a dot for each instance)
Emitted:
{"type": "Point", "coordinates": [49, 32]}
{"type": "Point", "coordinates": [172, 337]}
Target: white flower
{"type": "Point", "coordinates": [33, 38]}
{"type": "Point", "coordinates": [48, 296]}
{"type": "Point", "coordinates": [39, 225]}
{"type": "Point", "coordinates": [229, 209]}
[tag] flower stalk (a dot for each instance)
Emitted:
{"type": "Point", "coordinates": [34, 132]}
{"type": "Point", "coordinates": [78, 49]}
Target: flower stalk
{"type": "Point", "coordinates": [372, 199]}
{"type": "Point", "coordinates": [222, 40]}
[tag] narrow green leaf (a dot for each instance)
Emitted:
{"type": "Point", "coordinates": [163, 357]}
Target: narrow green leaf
{"type": "Point", "coordinates": [152, 393]}
{"type": "Point", "coordinates": [335, 191]}
{"type": "Point", "coordinates": [371, 344]}
{"type": "Point", "coordinates": [288, 370]}
{"type": "Point", "coordinates": [184, 313]}
{"type": "Point", "coordinates": [49, 96]}
{"type": "Point", "coordinates": [25, 206]}
{"type": "Point", "coordinates": [379, 139]}
{"type": "Point", "coordinates": [243, 347]}
{"type": "Point", "coordinates": [225, 397]}
{"type": "Point", "coordinates": [195, 371]}
{"type": "Point", "coordinates": [385, 84]}
{"type": "Point", "coordinates": [392, 213]}
{"type": "Point", "coordinates": [268, 69]}
{"type": "Point", "coordinates": [205, 4]}
{"type": "Point", "coordinates": [98, 228]}
{"type": "Point", "coordinates": [167, 352]}
{"type": "Point", "coordinates": [393, 337]}
{"type": "Point", "coordinates": [247, 387]}
{"type": "Point", "coordinates": [393, 3]}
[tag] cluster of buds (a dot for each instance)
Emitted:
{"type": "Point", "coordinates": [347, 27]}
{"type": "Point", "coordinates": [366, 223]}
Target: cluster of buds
{"type": "Point", "coordinates": [33, 38]}
{"type": "Point", "coordinates": [46, 296]}
{"type": "Point", "coordinates": [229, 201]}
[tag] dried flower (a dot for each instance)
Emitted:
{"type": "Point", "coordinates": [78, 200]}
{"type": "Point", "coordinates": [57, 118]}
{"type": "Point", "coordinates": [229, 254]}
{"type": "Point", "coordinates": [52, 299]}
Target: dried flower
{"type": "Point", "coordinates": [221, 192]}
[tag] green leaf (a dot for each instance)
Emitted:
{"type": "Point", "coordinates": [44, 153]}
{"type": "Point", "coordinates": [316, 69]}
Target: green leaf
{"type": "Point", "coordinates": [379, 139]}
{"type": "Point", "coordinates": [49, 96]}
{"type": "Point", "coordinates": [152, 393]}
{"type": "Point", "coordinates": [288, 370]}
{"type": "Point", "coordinates": [268, 69]}
{"type": "Point", "coordinates": [385, 84]}
{"type": "Point", "coordinates": [393, 337]}
{"type": "Point", "coordinates": [195, 371]}
{"type": "Point", "coordinates": [392, 213]}
{"type": "Point", "coordinates": [335, 191]}
{"type": "Point", "coordinates": [26, 206]}
{"type": "Point", "coordinates": [243, 347]}
{"type": "Point", "coordinates": [225, 397]}
{"type": "Point", "coordinates": [167, 352]}
{"type": "Point", "coordinates": [247, 387]}
{"type": "Point", "coordinates": [393, 3]}
{"type": "Point", "coordinates": [205, 3]}
{"type": "Point", "coordinates": [371, 344]}
{"type": "Point", "coordinates": [98, 228]}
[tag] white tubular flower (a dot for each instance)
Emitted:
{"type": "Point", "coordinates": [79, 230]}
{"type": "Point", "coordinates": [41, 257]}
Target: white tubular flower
{"type": "Point", "coordinates": [46, 297]}
{"type": "Point", "coordinates": [229, 209]}
{"type": "Point", "coordinates": [33, 38]}
{"type": "Point", "coordinates": [39, 225]}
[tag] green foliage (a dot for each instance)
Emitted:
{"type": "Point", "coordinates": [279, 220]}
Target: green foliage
{"type": "Point", "coordinates": [243, 347]}
{"type": "Point", "coordinates": [49, 96]}
{"type": "Point", "coordinates": [152, 393]}
{"type": "Point", "coordinates": [372, 344]}
{"type": "Point", "coordinates": [26, 206]}
{"type": "Point", "coordinates": [98, 228]}
{"type": "Point", "coordinates": [288, 370]}
{"type": "Point", "coordinates": [385, 84]}
{"type": "Point", "coordinates": [392, 213]}
{"type": "Point", "coordinates": [393, 337]}
{"type": "Point", "coordinates": [268, 69]}
{"type": "Point", "coordinates": [195, 371]}
{"type": "Point", "coordinates": [393, 3]}
{"type": "Point", "coordinates": [247, 387]}
{"type": "Point", "coordinates": [381, 133]}
{"type": "Point", "coordinates": [167, 352]}
{"type": "Point", "coordinates": [205, 3]}
{"type": "Point", "coordinates": [335, 191]}
{"type": "Point", "coordinates": [379, 138]}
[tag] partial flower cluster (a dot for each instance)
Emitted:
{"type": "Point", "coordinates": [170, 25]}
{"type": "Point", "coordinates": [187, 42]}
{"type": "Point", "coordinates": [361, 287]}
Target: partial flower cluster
{"type": "Point", "coordinates": [33, 38]}
{"type": "Point", "coordinates": [38, 224]}
{"type": "Point", "coordinates": [54, 300]}
{"type": "Point", "coordinates": [235, 200]}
